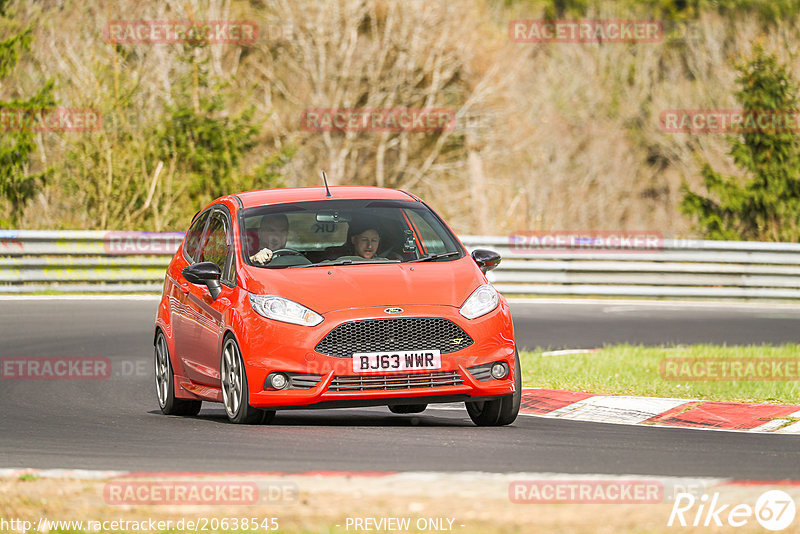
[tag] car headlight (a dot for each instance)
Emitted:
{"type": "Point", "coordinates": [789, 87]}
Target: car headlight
{"type": "Point", "coordinates": [281, 309]}
{"type": "Point", "coordinates": [482, 301]}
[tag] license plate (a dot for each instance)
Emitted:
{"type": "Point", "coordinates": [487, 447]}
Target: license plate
{"type": "Point", "coordinates": [401, 360]}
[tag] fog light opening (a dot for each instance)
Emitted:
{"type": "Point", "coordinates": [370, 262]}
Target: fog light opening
{"type": "Point", "coordinates": [277, 381]}
{"type": "Point", "coordinates": [499, 370]}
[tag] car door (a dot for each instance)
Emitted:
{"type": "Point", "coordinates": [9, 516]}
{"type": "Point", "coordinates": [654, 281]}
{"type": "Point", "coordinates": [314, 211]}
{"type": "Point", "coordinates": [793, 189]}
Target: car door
{"type": "Point", "coordinates": [181, 316]}
{"type": "Point", "coordinates": [217, 247]}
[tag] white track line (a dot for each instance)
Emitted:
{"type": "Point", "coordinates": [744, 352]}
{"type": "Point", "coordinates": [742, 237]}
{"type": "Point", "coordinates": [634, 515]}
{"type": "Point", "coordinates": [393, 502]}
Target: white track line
{"type": "Point", "coordinates": [513, 300]}
{"type": "Point", "coordinates": [658, 303]}
{"type": "Point", "coordinates": [428, 477]}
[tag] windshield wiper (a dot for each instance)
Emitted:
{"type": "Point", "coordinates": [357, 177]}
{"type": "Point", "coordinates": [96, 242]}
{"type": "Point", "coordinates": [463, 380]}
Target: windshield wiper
{"type": "Point", "coordinates": [342, 262]}
{"type": "Point", "coordinates": [431, 257]}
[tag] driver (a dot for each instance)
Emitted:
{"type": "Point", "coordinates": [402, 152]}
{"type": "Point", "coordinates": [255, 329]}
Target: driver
{"type": "Point", "coordinates": [272, 234]}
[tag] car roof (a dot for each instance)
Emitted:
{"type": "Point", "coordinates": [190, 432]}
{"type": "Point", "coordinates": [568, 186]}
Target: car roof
{"type": "Point", "coordinates": [262, 197]}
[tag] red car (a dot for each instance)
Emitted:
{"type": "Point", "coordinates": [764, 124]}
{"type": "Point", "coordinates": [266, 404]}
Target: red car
{"type": "Point", "coordinates": [329, 298]}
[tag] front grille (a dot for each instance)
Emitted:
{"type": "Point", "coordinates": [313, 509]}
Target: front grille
{"type": "Point", "coordinates": [383, 335]}
{"type": "Point", "coordinates": [401, 381]}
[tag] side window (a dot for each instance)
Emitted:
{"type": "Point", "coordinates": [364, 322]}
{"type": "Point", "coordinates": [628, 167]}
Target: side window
{"type": "Point", "coordinates": [433, 242]}
{"type": "Point", "coordinates": [192, 240]}
{"type": "Point", "coordinates": [218, 246]}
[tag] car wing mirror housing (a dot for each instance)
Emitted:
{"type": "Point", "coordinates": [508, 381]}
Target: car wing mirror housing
{"type": "Point", "coordinates": [207, 273]}
{"type": "Point", "coordinates": [486, 259]}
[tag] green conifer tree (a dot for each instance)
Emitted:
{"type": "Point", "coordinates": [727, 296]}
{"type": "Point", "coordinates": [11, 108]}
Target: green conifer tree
{"type": "Point", "coordinates": [765, 204]}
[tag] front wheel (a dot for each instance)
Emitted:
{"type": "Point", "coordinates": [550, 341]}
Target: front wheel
{"type": "Point", "coordinates": [235, 394]}
{"type": "Point", "coordinates": [502, 411]}
{"type": "Point", "coordinates": [165, 383]}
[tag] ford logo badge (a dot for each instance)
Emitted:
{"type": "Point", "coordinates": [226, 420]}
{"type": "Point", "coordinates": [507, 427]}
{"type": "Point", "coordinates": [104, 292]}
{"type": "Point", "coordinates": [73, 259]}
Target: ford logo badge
{"type": "Point", "coordinates": [393, 310]}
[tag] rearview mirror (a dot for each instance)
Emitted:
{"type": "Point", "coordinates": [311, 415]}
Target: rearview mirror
{"type": "Point", "coordinates": [486, 259]}
{"type": "Point", "coordinates": [333, 216]}
{"type": "Point", "coordinates": [207, 273]}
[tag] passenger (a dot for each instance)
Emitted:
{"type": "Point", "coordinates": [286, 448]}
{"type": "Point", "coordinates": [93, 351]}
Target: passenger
{"type": "Point", "coordinates": [366, 243]}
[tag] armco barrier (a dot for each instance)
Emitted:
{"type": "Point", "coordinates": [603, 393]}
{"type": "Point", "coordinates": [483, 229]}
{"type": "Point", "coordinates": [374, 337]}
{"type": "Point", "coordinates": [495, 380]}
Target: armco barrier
{"type": "Point", "coordinates": [84, 261]}
{"type": "Point", "coordinates": [92, 261]}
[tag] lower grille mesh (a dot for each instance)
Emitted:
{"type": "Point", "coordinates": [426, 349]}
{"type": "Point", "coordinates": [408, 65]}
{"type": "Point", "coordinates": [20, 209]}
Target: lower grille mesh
{"type": "Point", "coordinates": [399, 381]}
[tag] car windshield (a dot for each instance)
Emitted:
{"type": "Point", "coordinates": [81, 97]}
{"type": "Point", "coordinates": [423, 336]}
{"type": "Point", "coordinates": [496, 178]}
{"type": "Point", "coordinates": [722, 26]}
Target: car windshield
{"type": "Point", "coordinates": [344, 232]}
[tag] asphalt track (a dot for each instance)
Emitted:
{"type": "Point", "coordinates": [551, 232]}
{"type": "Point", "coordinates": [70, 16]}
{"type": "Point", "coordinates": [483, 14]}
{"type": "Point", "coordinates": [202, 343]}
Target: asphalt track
{"type": "Point", "coordinates": [114, 424]}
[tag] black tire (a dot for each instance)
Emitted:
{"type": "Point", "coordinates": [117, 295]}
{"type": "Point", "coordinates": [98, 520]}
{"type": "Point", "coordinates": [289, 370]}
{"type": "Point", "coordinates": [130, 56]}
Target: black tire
{"type": "Point", "coordinates": [235, 392]}
{"type": "Point", "coordinates": [502, 411]}
{"type": "Point", "coordinates": [407, 408]}
{"type": "Point", "coordinates": [165, 383]}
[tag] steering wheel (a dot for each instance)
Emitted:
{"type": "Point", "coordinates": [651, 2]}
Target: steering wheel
{"type": "Point", "coordinates": [390, 254]}
{"type": "Point", "coordinates": [286, 252]}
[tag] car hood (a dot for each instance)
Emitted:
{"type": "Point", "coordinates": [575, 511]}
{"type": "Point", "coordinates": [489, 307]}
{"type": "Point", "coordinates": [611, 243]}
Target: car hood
{"type": "Point", "coordinates": [326, 289]}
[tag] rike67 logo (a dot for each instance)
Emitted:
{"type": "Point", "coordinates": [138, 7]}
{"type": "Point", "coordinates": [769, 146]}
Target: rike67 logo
{"type": "Point", "coordinates": [774, 510]}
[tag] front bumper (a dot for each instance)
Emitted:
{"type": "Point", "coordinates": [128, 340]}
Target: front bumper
{"type": "Point", "coordinates": [290, 349]}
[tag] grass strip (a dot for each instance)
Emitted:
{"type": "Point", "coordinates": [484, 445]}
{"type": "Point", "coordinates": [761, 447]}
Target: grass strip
{"type": "Point", "coordinates": [756, 373]}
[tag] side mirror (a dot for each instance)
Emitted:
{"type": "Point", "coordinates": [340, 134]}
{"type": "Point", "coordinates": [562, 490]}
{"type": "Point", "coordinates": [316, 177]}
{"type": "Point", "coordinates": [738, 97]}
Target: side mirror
{"type": "Point", "coordinates": [207, 273]}
{"type": "Point", "coordinates": [486, 259]}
